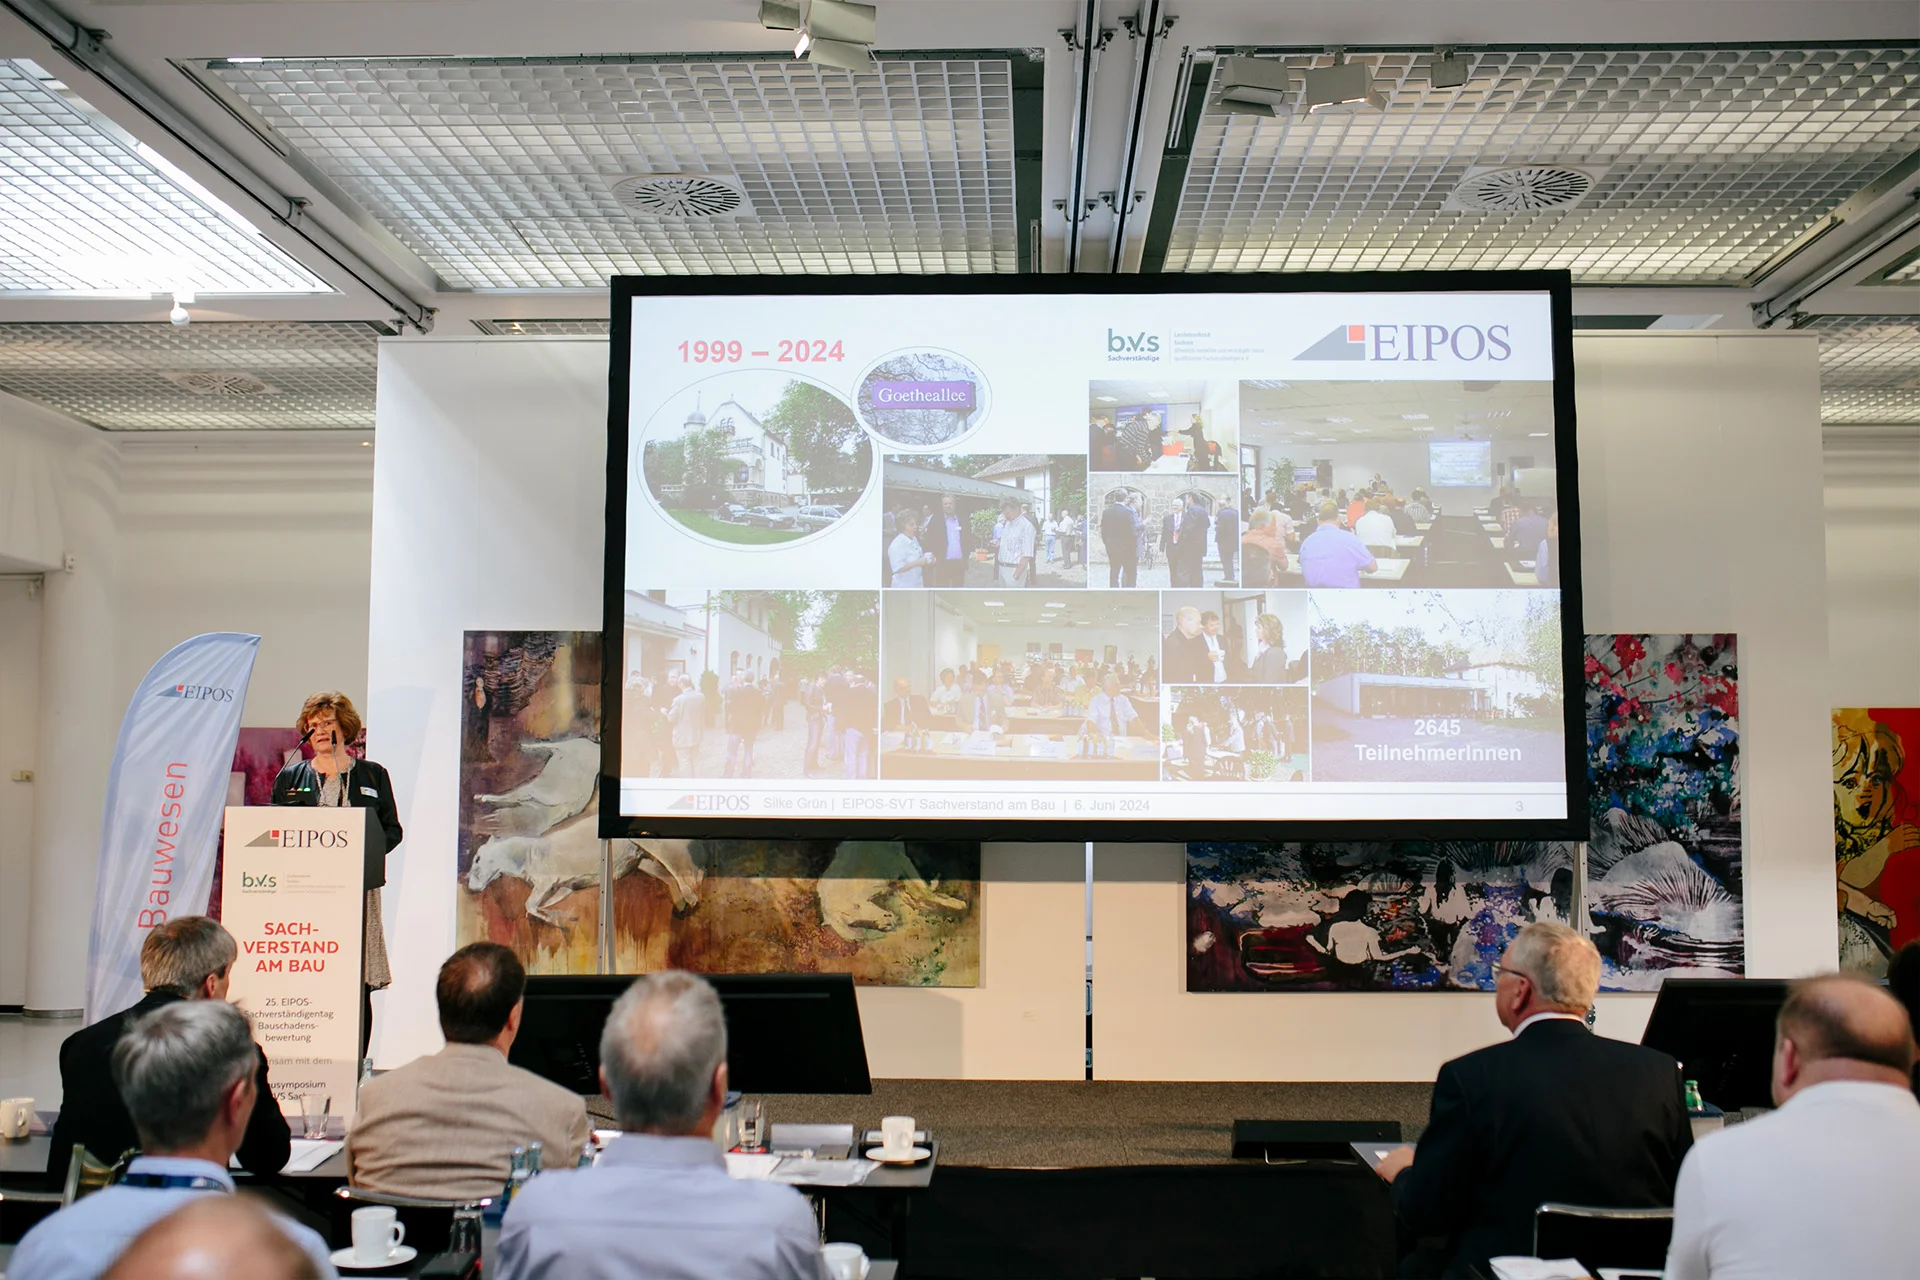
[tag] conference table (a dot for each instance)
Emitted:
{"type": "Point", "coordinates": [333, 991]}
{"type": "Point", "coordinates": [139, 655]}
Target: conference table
{"type": "Point", "coordinates": [1066, 721]}
{"type": "Point", "coordinates": [1018, 756]}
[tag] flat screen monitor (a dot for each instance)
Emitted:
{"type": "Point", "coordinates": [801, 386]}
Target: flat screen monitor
{"type": "Point", "coordinates": [1460, 464]}
{"type": "Point", "coordinates": [786, 1033]}
{"type": "Point", "coordinates": [900, 556]}
{"type": "Point", "coordinates": [1721, 1030]}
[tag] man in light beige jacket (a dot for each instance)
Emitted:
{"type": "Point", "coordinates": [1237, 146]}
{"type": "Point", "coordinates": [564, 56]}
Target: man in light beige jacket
{"type": "Point", "coordinates": [444, 1126]}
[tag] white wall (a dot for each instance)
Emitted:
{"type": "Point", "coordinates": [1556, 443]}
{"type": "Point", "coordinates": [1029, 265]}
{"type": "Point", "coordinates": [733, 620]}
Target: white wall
{"type": "Point", "coordinates": [19, 743]}
{"type": "Point", "coordinates": [1664, 419]}
{"type": "Point", "coordinates": [1873, 565]}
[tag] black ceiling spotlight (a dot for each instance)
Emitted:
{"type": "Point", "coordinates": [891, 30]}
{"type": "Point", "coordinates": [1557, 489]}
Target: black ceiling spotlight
{"type": "Point", "coordinates": [833, 33]}
{"type": "Point", "coordinates": [1448, 70]}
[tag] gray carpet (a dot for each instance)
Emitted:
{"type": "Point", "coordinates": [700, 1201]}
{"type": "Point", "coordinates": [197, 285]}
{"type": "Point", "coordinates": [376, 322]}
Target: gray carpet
{"type": "Point", "coordinates": [1016, 1124]}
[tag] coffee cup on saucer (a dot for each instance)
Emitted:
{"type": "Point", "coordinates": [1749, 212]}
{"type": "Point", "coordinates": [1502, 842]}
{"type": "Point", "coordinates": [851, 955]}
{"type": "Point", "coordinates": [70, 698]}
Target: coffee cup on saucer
{"type": "Point", "coordinates": [896, 1137]}
{"type": "Point", "coordinates": [377, 1233]}
{"type": "Point", "coordinates": [845, 1261]}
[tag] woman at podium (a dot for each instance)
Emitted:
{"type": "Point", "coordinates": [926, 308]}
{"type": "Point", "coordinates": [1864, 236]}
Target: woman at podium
{"type": "Point", "coordinates": [335, 779]}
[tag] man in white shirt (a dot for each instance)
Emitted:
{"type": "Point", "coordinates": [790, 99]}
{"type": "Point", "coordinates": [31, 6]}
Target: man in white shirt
{"type": "Point", "coordinates": [905, 556]}
{"type": "Point", "coordinates": [943, 699]}
{"type": "Point", "coordinates": [1825, 1185]}
{"type": "Point", "coordinates": [1216, 648]}
{"type": "Point", "coordinates": [1016, 547]}
{"type": "Point", "coordinates": [1109, 712]}
{"type": "Point", "coordinates": [1375, 528]}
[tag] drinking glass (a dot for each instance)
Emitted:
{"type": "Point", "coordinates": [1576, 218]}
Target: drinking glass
{"type": "Point", "coordinates": [753, 1125]}
{"type": "Point", "coordinates": [313, 1114]}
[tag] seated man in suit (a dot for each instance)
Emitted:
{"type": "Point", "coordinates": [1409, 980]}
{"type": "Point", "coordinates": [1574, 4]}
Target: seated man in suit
{"type": "Point", "coordinates": [905, 709]}
{"type": "Point", "coordinates": [660, 1202]}
{"type": "Point", "coordinates": [1555, 1113]}
{"type": "Point", "coordinates": [444, 1126]}
{"type": "Point", "coordinates": [186, 958]}
{"type": "Point", "coordinates": [186, 1071]}
{"type": "Point", "coordinates": [1824, 1185]}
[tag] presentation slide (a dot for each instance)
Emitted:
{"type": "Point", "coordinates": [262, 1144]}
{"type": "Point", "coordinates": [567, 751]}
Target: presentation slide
{"type": "Point", "coordinates": [1460, 464]}
{"type": "Point", "coordinates": [883, 554]}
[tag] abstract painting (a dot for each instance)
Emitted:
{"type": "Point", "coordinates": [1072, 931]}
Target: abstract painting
{"type": "Point", "coordinates": [1402, 916]}
{"type": "Point", "coordinates": [890, 914]}
{"type": "Point", "coordinates": [530, 859]}
{"type": "Point", "coordinates": [1659, 888]}
{"type": "Point", "coordinates": [1664, 883]}
{"type": "Point", "coordinates": [1876, 833]}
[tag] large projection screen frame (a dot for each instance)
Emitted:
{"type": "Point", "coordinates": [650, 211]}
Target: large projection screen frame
{"type": "Point", "coordinates": [709, 817]}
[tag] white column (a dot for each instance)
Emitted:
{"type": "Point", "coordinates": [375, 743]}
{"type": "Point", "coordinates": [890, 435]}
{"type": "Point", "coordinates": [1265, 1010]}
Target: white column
{"type": "Point", "coordinates": [80, 706]}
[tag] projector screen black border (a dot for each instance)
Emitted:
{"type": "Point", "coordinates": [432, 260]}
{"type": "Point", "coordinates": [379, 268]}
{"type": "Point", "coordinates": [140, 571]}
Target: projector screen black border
{"type": "Point", "coordinates": [1557, 285]}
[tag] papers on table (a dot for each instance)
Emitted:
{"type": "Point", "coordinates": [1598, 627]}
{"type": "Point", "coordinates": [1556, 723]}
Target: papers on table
{"type": "Point", "coordinates": [979, 743]}
{"type": "Point", "coordinates": [1517, 1268]}
{"type": "Point", "coordinates": [308, 1154]}
{"type": "Point", "coordinates": [1047, 749]}
{"type": "Point", "coordinates": [1372, 1153]}
{"type": "Point", "coordinates": [800, 1171]}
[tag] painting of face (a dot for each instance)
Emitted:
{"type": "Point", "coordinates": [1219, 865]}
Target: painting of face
{"type": "Point", "coordinates": [1876, 833]}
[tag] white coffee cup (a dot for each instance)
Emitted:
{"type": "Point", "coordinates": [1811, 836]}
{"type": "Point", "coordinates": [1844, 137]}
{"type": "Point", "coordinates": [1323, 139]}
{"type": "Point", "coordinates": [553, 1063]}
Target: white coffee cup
{"type": "Point", "coordinates": [896, 1135]}
{"type": "Point", "coordinates": [16, 1117]}
{"type": "Point", "coordinates": [377, 1232]}
{"type": "Point", "coordinates": [844, 1261]}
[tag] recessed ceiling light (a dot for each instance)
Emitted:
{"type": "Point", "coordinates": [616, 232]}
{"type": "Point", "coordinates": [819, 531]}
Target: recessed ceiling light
{"type": "Point", "coordinates": [1056, 604]}
{"type": "Point", "coordinates": [1413, 417]}
{"type": "Point", "coordinates": [994, 604]}
{"type": "Point", "coordinates": [1339, 419]}
{"type": "Point", "coordinates": [1106, 400]}
{"type": "Point", "coordinates": [1423, 428]}
{"type": "Point", "coordinates": [1328, 440]}
{"type": "Point", "coordinates": [1537, 435]}
{"type": "Point", "coordinates": [366, 444]}
{"type": "Point", "coordinates": [1160, 395]}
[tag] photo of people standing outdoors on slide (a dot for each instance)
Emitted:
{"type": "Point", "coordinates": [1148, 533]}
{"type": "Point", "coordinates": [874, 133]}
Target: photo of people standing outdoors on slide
{"type": "Point", "coordinates": [1400, 484]}
{"type": "Point", "coordinates": [1216, 734]}
{"type": "Point", "coordinates": [1432, 686]}
{"type": "Point", "coordinates": [750, 684]}
{"type": "Point", "coordinates": [986, 685]}
{"type": "Point", "coordinates": [1016, 520]}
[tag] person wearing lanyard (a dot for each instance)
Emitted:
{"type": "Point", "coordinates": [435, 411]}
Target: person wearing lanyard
{"type": "Point", "coordinates": [186, 1073]}
{"type": "Point", "coordinates": [1015, 556]}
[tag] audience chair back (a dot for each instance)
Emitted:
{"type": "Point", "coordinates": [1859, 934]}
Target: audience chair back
{"type": "Point", "coordinates": [429, 1222]}
{"type": "Point", "coordinates": [1602, 1237]}
{"type": "Point", "coordinates": [85, 1175]}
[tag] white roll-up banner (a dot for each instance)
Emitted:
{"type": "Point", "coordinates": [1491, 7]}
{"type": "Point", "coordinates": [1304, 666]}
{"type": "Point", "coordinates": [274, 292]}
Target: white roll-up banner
{"type": "Point", "coordinates": [165, 796]}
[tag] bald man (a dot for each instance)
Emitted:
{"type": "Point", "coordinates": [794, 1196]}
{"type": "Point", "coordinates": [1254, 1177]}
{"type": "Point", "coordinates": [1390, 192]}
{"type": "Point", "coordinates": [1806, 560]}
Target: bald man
{"type": "Point", "coordinates": [214, 1238]}
{"type": "Point", "coordinates": [1825, 1185]}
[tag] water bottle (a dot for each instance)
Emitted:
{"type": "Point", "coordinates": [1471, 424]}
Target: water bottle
{"type": "Point", "coordinates": [1694, 1103]}
{"type": "Point", "coordinates": [366, 1070]}
{"type": "Point", "coordinates": [517, 1174]}
{"type": "Point", "coordinates": [535, 1150]}
{"type": "Point", "coordinates": [586, 1155]}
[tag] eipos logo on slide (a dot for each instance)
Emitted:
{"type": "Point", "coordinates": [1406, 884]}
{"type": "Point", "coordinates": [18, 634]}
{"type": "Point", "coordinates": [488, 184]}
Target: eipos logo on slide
{"type": "Point", "coordinates": [299, 838]}
{"type": "Point", "coordinates": [197, 693]}
{"type": "Point", "coordinates": [712, 802]}
{"type": "Point", "coordinates": [1416, 342]}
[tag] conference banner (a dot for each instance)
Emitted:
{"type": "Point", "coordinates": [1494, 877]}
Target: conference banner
{"type": "Point", "coordinates": [165, 795]}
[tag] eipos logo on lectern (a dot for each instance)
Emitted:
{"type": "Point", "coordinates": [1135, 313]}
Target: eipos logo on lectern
{"type": "Point", "coordinates": [300, 838]}
{"type": "Point", "coordinates": [197, 693]}
{"type": "Point", "coordinates": [1415, 342]}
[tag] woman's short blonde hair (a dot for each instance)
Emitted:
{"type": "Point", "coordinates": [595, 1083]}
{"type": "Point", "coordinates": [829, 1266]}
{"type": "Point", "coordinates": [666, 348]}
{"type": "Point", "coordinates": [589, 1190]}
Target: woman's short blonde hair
{"type": "Point", "coordinates": [341, 706]}
{"type": "Point", "coordinates": [1267, 627]}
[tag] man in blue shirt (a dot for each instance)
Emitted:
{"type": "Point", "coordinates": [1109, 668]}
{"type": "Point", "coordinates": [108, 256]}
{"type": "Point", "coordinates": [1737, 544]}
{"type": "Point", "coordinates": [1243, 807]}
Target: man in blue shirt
{"type": "Point", "coordinates": [1332, 557]}
{"type": "Point", "coordinates": [660, 1204]}
{"type": "Point", "coordinates": [186, 1073]}
{"type": "Point", "coordinates": [1110, 713]}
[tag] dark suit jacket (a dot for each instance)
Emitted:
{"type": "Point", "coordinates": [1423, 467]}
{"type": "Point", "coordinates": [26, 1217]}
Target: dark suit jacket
{"type": "Point", "coordinates": [918, 715]}
{"type": "Point", "coordinates": [92, 1114]}
{"type": "Point", "coordinates": [1117, 531]}
{"type": "Point", "coordinates": [299, 784]}
{"type": "Point", "coordinates": [1556, 1113]}
{"type": "Point", "coordinates": [1226, 532]}
{"type": "Point", "coordinates": [1184, 660]}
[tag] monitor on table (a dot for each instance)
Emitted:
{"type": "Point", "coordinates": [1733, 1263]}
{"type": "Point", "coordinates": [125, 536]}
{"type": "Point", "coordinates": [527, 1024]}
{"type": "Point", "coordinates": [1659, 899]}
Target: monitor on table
{"type": "Point", "coordinates": [1721, 1030]}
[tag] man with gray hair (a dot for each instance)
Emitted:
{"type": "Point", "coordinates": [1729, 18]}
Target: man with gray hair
{"type": "Point", "coordinates": [1555, 1113]}
{"type": "Point", "coordinates": [185, 958]}
{"type": "Point", "coordinates": [186, 1071]}
{"type": "Point", "coordinates": [1824, 1186]}
{"type": "Point", "coordinates": [660, 1204]}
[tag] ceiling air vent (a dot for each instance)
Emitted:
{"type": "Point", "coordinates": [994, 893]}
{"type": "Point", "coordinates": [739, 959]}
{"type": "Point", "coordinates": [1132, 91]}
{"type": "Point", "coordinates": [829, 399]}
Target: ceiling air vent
{"type": "Point", "coordinates": [682, 196]}
{"type": "Point", "coordinates": [1527, 188]}
{"type": "Point", "coordinates": [218, 382]}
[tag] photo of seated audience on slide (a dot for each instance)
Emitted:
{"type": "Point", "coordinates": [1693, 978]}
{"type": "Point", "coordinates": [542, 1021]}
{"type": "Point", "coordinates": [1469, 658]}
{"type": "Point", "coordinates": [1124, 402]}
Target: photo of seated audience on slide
{"type": "Point", "coordinates": [1161, 426]}
{"type": "Point", "coordinates": [755, 456]}
{"type": "Point", "coordinates": [1163, 531]}
{"type": "Point", "coordinates": [1416, 484]}
{"type": "Point", "coordinates": [750, 684]}
{"type": "Point", "coordinates": [983, 686]}
{"type": "Point", "coordinates": [1234, 637]}
{"type": "Point", "coordinates": [1243, 734]}
{"type": "Point", "coordinates": [984, 520]}
{"type": "Point", "coordinates": [1437, 686]}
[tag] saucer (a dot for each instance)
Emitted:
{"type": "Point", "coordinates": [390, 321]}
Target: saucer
{"type": "Point", "coordinates": [343, 1259]}
{"type": "Point", "coordinates": [912, 1155]}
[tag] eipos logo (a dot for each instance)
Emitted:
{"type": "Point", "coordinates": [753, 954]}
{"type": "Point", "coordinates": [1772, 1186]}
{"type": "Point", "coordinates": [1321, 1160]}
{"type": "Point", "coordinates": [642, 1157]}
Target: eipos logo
{"type": "Point", "coordinates": [1417, 342]}
{"type": "Point", "coordinates": [300, 838]}
{"type": "Point", "coordinates": [197, 693]}
{"type": "Point", "coordinates": [712, 802]}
